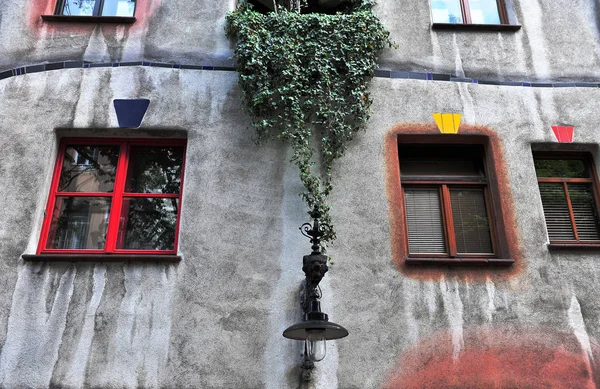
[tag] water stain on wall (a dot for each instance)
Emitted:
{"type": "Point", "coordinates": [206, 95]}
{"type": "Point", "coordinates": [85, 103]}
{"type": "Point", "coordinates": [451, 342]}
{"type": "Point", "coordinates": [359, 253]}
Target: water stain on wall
{"type": "Point", "coordinates": [499, 356]}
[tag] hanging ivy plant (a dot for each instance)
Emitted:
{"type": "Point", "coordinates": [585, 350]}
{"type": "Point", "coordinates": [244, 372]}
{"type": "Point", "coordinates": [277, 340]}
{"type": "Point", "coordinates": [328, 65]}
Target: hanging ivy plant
{"type": "Point", "coordinates": [304, 80]}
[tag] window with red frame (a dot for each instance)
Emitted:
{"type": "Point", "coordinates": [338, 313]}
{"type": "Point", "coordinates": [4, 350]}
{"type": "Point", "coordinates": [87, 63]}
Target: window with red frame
{"type": "Point", "coordinates": [446, 201]}
{"type": "Point", "coordinates": [569, 195]}
{"type": "Point", "coordinates": [115, 196]}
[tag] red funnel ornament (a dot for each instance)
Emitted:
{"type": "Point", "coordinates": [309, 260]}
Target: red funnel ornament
{"type": "Point", "coordinates": [564, 134]}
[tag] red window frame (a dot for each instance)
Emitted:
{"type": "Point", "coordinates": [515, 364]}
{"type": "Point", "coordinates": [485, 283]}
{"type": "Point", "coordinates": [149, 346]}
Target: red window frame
{"type": "Point", "coordinates": [117, 195]}
{"type": "Point", "coordinates": [592, 180]}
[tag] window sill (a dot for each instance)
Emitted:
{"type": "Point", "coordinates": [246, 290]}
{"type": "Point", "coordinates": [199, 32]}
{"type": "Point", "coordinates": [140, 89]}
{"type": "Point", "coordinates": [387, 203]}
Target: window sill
{"type": "Point", "coordinates": [101, 258]}
{"type": "Point", "coordinates": [475, 27]}
{"type": "Point", "coordinates": [574, 246]}
{"type": "Point", "coordinates": [459, 261]}
{"type": "Point", "coordinates": [89, 19]}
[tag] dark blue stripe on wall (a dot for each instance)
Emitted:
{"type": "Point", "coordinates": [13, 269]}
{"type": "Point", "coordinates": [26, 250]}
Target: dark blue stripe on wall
{"type": "Point", "coordinates": [380, 73]}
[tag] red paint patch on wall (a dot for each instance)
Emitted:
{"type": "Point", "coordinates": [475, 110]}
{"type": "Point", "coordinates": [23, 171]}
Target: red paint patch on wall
{"type": "Point", "coordinates": [508, 246]}
{"type": "Point", "coordinates": [143, 13]}
{"type": "Point", "coordinates": [498, 357]}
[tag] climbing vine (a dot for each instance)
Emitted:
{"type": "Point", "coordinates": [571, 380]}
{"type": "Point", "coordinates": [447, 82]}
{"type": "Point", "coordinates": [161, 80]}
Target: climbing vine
{"type": "Point", "coordinates": [304, 80]}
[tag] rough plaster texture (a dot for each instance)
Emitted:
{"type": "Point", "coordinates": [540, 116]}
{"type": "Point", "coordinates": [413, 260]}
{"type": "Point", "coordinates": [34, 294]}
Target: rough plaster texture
{"type": "Point", "coordinates": [215, 319]}
{"type": "Point", "coordinates": [558, 39]}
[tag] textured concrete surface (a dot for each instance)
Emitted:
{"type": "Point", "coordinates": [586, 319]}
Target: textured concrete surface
{"type": "Point", "coordinates": [558, 39]}
{"type": "Point", "coordinates": [215, 319]}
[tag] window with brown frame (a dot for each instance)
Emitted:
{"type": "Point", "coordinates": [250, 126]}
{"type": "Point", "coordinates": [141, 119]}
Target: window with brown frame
{"type": "Point", "coordinates": [469, 12]}
{"type": "Point", "coordinates": [446, 199]}
{"type": "Point", "coordinates": [568, 188]}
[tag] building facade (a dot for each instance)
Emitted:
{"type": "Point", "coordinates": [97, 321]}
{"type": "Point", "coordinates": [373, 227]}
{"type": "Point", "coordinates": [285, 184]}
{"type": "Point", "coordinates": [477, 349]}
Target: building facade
{"type": "Point", "coordinates": [466, 259]}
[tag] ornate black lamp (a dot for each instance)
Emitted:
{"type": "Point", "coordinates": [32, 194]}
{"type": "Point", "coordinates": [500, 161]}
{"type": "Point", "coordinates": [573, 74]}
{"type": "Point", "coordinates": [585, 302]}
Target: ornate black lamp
{"type": "Point", "coordinates": [316, 328]}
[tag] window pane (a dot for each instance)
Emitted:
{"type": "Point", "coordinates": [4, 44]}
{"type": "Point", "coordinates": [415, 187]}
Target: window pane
{"type": "Point", "coordinates": [154, 169]}
{"type": "Point", "coordinates": [584, 210]}
{"type": "Point", "coordinates": [484, 12]}
{"type": "Point", "coordinates": [118, 8]}
{"type": "Point", "coordinates": [446, 11]}
{"type": "Point", "coordinates": [79, 223]}
{"type": "Point", "coordinates": [556, 211]}
{"type": "Point", "coordinates": [471, 224]}
{"type": "Point", "coordinates": [148, 224]}
{"type": "Point", "coordinates": [563, 168]}
{"type": "Point", "coordinates": [79, 7]}
{"type": "Point", "coordinates": [88, 169]}
{"type": "Point", "coordinates": [424, 220]}
{"type": "Point", "coordinates": [417, 160]}
{"type": "Point", "coordinates": [440, 168]}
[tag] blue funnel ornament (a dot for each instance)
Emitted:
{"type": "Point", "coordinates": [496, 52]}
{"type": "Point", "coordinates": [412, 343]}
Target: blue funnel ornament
{"type": "Point", "coordinates": [130, 112]}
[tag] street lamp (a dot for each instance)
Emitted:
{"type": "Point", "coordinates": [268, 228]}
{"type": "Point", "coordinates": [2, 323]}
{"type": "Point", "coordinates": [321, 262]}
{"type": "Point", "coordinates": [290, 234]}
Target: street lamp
{"type": "Point", "coordinates": [315, 329]}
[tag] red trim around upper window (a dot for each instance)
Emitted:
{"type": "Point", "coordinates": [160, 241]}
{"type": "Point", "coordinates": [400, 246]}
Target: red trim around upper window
{"type": "Point", "coordinates": [116, 196]}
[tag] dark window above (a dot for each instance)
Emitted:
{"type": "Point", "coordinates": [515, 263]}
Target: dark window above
{"type": "Point", "coordinates": [306, 6]}
{"type": "Point", "coordinates": [468, 11]}
{"type": "Point", "coordinates": [479, 15]}
{"type": "Point", "coordinates": [119, 8]}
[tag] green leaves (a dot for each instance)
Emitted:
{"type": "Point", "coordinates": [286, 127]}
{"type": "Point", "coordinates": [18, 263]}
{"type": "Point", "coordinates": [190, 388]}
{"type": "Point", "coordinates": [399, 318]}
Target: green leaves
{"type": "Point", "coordinates": [302, 73]}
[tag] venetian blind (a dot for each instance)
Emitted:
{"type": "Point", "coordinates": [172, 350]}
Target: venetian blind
{"type": "Point", "coordinates": [471, 224]}
{"type": "Point", "coordinates": [424, 219]}
{"type": "Point", "coordinates": [556, 211]}
{"type": "Point", "coordinates": [582, 202]}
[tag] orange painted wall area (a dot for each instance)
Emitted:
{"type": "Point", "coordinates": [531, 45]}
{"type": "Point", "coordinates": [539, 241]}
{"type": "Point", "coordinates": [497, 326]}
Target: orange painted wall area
{"type": "Point", "coordinates": [498, 357]}
{"type": "Point", "coordinates": [508, 246]}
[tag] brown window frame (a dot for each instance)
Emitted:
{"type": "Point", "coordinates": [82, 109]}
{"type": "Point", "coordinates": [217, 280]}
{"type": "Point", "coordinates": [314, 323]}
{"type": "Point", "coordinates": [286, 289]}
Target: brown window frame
{"type": "Point", "coordinates": [468, 24]}
{"type": "Point", "coordinates": [466, 12]}
{"type": "Point", "coordinates": [96, 17]}
{"type": "Point", "coordinates": [593, 180]}
{"type": "Point", "coordinates": [444, 186]}
{"type": "Point", "coordinates": [97, 12]}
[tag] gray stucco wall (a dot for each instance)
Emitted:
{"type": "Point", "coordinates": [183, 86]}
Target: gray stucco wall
{"type": "Point", "coordinates": [558, 39]}
{"type": "Point", "coordinates": [215, 319]}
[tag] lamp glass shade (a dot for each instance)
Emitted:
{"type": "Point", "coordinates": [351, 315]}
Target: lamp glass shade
{"type": "Point", "coordinates": [316, 346]}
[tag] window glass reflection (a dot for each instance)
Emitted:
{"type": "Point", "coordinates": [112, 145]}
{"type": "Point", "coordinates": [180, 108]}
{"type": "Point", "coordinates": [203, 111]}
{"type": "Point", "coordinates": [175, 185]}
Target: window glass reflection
{"type": "Point", "coordinates": [79, 223]}
{"type": "Point", "coordinates": [484, 12]}
{"type": "Point", "coordinates": [564, 168]}
{"type": "Point", "coordinates": [88, 169]}
{"type": "Point", "coordinates": [79, 7]}
{"type": "Point", "coordinates": [148, 224]}
{"type": "Point", "coordinates": [154, 169]}
{"type": "Point", "coordinates": [118, 8]}
{"type": "Point", "coordinates": [446, 11]}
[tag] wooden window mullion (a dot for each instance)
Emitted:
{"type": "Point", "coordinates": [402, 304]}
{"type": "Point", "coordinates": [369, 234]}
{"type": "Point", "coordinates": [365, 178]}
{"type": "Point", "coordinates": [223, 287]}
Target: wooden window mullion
{"type": "Point", "coordinates": [466, 10]}
{"type": "Point", "coordinates": [448, 221]}
{"type": "Point", "coordinates": [98, 5]}
{"type": "Point", "coordinates": [60, 6]}
{"type": "Point", "coordinates": [571, 214]}
{"type": "Point", "coordinates": [502, 11]}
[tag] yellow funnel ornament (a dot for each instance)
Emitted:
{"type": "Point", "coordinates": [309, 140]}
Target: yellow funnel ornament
{"type": "Point", "coordinates": [448, 123]}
